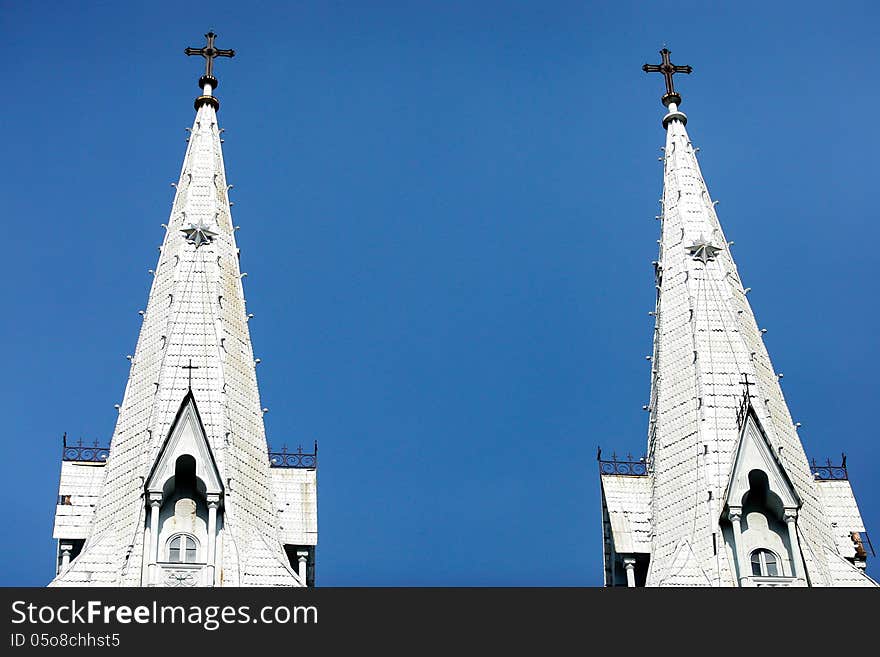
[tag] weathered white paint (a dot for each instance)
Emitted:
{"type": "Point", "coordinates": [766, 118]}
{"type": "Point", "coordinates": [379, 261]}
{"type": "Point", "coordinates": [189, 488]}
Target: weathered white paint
{"type": "Point", "coordinates": [213, 505]}
{"type": "Point", "coordinates": [706, 339]}
{"type": "Point", "coordinates": [297, 499]}
{"type": "Point", "coordinates": [735, 517]}
{"type": "Point", "coordinates": [195, 313]}
{"type": "Point", "coordinates": [66, 549]}
{"type": "Point", "coordinates": [155, 502]}
{"type": "Point", "coordinates": [80, 484]}
{"type": "Point", "coordinates": [843, 514]}
{"type": "Point", "coordinates": [629, 565]}
{"type": "Point", "coordinates": [796, 566]}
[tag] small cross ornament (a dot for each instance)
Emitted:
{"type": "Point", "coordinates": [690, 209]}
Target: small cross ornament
{"type": "Point", "coordinates": [189, 370]}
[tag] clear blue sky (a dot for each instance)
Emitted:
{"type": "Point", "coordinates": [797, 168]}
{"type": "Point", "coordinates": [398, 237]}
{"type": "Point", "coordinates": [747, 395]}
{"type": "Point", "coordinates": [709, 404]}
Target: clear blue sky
{"type": "Point", "coordinates": [446, 214]}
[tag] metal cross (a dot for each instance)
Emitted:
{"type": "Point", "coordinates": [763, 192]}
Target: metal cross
{"type": "Point", "coordinates": [747, 385]}
{"type": "Point", "coordinates": [209, 52]}
{"type": "Point", "coordinates": [189, 368]}
{"type": "Point", "coordinates": [668, 69]}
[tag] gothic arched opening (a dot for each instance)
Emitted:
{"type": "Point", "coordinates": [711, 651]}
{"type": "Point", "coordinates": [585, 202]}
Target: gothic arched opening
{"type": "Point", "coordinates": [184, 515]}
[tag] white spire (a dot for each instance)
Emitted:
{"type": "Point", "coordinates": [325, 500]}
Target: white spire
{"type": "Point", "coordinates": [706, 343]}
{"type": "Point", "coordinates": [194, 334]}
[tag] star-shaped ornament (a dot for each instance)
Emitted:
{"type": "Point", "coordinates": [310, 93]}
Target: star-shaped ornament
{"type": "Point", "coordinates": [198, 234]}
{"type": "Point", "coordinates": [703, 250]}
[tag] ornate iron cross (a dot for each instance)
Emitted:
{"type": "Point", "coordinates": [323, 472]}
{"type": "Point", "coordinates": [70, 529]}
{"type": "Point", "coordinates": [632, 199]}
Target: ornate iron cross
{"type": "Point", "coordinates": [209, 52]}
{"type": "Point", "coordinates": [667, 69]}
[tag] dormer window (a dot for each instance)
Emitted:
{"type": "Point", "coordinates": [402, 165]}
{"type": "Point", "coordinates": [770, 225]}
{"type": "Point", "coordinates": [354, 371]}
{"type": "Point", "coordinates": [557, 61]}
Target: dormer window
{"type": "Point", "coordinates": [182, 548]}
{"type": "Point", "coordinates": [762, 508]}
{"type": "Point", "coordinates": [186, 505]}
{"type": "Point", "coordinates": [765, 563]}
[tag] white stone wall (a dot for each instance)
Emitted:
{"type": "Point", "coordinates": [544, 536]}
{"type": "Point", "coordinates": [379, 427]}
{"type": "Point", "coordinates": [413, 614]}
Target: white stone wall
{"type": "Point", "coordinates": [80, 482]}
{"type": "Point", "coordinates": [296, 494]}
{"type": "Point", "coordinates": [843, 514]}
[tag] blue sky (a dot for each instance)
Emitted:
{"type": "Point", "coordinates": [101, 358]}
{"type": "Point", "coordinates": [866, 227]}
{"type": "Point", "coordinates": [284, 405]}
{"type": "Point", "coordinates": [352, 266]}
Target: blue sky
{"type": "Point", "coordinates": [447, 220]}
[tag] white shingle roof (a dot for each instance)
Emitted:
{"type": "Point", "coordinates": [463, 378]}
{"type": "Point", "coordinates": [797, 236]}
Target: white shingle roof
{"type": "Point", "coordinates": [843, 573]}
{"type": "Point", "coordinates": [706, 339]}
{"type": "Point", "coordinates": [296, 496]}
{"type": "Point", "coordinates": [195, 314]}
{"type": "Point", "coordinates": [842, 512]}
{"type": "Point", "coordinates": [78, 494]}
{"type": "Point", "coordinates": [628, 504]}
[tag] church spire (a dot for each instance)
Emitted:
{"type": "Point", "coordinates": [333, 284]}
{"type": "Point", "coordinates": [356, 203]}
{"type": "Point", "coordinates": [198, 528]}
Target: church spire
{"type": "Point", "coordinates": [706, 344]}
{"type": "Point", "coordinates": [191, 409]}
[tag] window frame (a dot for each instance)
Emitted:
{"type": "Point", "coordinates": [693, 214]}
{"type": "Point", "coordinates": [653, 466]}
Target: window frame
{"type": "Point", "coordinates": [763, 564]}
{"type": "Point", "coordinates": [186, 540]}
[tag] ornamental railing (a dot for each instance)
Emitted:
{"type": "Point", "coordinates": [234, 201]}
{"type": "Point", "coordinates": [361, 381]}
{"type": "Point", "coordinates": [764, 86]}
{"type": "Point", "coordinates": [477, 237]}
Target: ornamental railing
{"type": "Point", "coordinates": [297, 459]}
{"type": "Point", "coordinates": [630, 466]}
{"type": "Point", "coordinates": [95, 453]}
{"type": "Point", "coordinates": [830, 471]}
{"type": "Point", "coordinates": [83, 452]}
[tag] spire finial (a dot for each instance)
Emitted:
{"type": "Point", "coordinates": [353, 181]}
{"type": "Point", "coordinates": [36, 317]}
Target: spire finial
{"type": "Point", "coordinates": [667, 69]}
{"type": "Point", "coordinates": [208, 82]}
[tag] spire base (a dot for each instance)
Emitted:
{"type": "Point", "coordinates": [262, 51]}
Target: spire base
{"type": "Point", "coordinates": [207, 100]}
{"type": "Point", "coordinates": [674, 116]}
{"type": "Point", "coordinates": [666, 99]}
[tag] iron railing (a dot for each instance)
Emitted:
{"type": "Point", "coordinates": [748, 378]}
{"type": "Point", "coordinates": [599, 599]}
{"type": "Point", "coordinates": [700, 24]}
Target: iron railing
{"type": "Point", "coordinates": [80, 452]}
{"type": "Point", "coordinates": [95, 453]}
{"type": "Point", "coordinates": [630, 466]}
{"type": "Point", "coordinates": [829, 471]}
{"type": "Point", "coordinates": [297, 459]}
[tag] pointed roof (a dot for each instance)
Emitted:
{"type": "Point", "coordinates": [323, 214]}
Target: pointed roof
{"type": "Point", "coordinates": [186, 436]}
{"type": "Point", "coordinates": [195, 316]}
{"type": "Point", "coordinates": [755, 451]}
{"type": "Point", "coordinates": [706, 339]}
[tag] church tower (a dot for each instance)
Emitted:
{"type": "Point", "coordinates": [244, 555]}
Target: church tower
{"type": "Point", "coordinates": [725, 495]}
{"type": "Point", "coordinates": [187, 494]}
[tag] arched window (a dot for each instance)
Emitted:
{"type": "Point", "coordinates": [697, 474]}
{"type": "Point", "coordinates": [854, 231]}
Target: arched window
{"type": "Point", "coordinates": [765, 563]}
{"type": "Point", "coordinates": [182, 548]}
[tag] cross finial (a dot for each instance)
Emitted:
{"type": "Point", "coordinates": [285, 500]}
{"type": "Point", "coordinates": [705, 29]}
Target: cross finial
{"type": "Point", "coordinates": [667, 69]}
{"type": "Point", "coordinates": [208, 82]}
{"type": "Point", "coordinates": [209, 52]}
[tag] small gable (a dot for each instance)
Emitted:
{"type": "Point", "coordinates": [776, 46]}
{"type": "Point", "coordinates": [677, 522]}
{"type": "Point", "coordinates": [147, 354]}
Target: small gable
{"type": "Point", "coordinates": [756, 463]}
{"type": "Point", "coordinates": [186, 438]}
